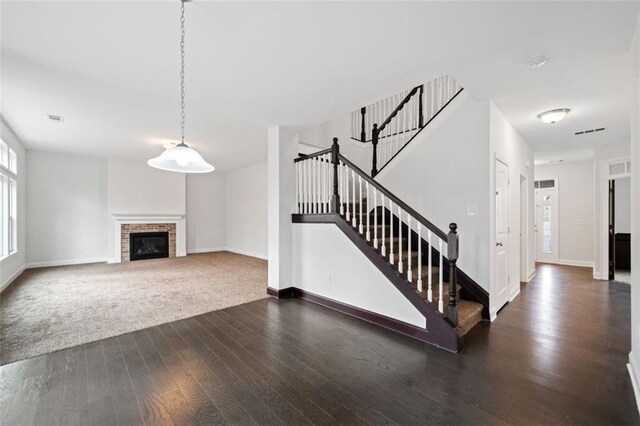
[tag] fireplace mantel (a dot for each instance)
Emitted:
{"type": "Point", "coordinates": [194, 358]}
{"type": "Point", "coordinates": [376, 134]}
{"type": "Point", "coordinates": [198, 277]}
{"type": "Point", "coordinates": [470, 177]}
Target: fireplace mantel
{"type": "Point", "coordinates": [119, 219]}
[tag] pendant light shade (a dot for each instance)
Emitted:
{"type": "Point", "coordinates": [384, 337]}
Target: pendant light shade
{"type": "Point", "coordinates": [181, 158]}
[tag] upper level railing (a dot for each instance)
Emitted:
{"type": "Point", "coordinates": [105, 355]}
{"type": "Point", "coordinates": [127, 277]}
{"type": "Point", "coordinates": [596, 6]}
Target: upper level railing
{"type": "Point", "coordinates": [391, 123]}
{"type": "Point", "coordinates": [327, 182]}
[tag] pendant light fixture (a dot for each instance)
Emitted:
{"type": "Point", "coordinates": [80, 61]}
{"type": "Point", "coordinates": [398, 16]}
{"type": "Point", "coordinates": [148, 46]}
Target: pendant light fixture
{"type": "Point", "coordinates": [181, 158]}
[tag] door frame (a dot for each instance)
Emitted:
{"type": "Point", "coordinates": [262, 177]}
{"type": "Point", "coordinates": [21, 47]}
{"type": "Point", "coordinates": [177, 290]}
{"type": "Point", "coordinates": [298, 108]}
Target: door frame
{"type": "Point", "coordinates": [611, 228]}
{"type": "Point", "coordinates": [601, 271]}
{"type": "Point", "coordinates": [524, 227]}
{"type": "Point", "coordinates": [555, 217]}
{"type": "Point", "coordinates": [492, 258]}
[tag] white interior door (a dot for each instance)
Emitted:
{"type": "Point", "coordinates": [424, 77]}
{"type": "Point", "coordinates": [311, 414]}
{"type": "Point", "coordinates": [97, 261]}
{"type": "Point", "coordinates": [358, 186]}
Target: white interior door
{"type": "Point", "coordinates": [502, 235]}
{"type": "Point", "coordinates": [547, 225]}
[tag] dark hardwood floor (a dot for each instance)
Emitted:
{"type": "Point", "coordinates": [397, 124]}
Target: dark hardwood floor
{"type": "Point", "coordinates": [557, 354]}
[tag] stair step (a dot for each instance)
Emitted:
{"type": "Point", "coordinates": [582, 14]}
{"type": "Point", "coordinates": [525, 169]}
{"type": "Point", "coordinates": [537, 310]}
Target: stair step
{"type": "Point", "coordinates": [469, 314]}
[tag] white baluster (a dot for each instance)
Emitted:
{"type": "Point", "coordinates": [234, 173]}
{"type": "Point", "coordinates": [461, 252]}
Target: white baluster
{"type": "Point", "coordinates": [297, 166]}
{"type": "Point", "coordinates": [324, 184]}
{"type": "Point", "coordinates": [391, 259]}
{"type": "Point", "coordinates": [384, 233]}
{"type": "Point", "coordinates": [360, 227]}
{"type": "Point", "coordinates": [353, 196]}
{"type": "Point", "coordinates": [375, 218]}
{"type": "Point", "coordinates": [440, 301]}
{"type": "Point", "coordinates": [409, 271]}
{"type": "Point", "coordinates": [368, 214]}
{"type": "Point", "coordinates": [312, 165]}
{"type": "Point", "coordinates": [346, 187]}
{"type": "Point", "coordinates": [305, 185]}
{"type": "Point", "coordinates": [341, 187]}
{"type": "Point", "coordinates": [319, 183]}
{"type": "Point", "coordinates": [400, 263]}
{"type": "Point", "coordinates": [419, 257]}
{"type": "Point", "coordinates": [429, 269]}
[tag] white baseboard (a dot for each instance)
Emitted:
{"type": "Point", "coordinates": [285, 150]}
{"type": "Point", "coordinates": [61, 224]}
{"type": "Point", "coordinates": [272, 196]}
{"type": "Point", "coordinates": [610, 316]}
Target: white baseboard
{"type": "Point", "coordinates": [230, 249]}
{"type": "Point", "coordinates": [635, 378]}
{"type": "Point", "coordinates": [514, 295]}
{"type": "Point", "coordinates": [581, 263]}
{"type": "Point", "coordinates": [569, 262]}
{"type": "Point", "coordinates": [12, 278]}
{"type": "Point", "coordinates": [247, 253]}
{"type": "Point", "coordinates": [65, 262]}
{"type": "Point", "coordinates": [532, 274]}
{"type": "Point", "coordinates": [599, 276]}
{"type": "Point", "coordinates": [493, 315]}
{"type": "Point", "coordinates": [205, 250]}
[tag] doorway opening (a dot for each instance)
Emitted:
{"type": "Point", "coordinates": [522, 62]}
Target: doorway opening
{"type": "Point", "coordinates": [524, 228]}
{"type": "Point", "coordinates": [619, 229]}
{"type": "Point", "coordinates": [546, 226]}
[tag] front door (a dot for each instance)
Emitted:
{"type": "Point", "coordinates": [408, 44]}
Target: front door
{"type": "Point", "coordinates": [502, 235]}
{"type": "Point", "coordinates": [546, 224]}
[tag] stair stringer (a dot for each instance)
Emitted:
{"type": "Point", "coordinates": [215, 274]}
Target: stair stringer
{"type": "Point", "coordinates": [438, 331]}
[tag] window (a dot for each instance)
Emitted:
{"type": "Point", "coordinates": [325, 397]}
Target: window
{"type": "Point", "coordinates": [8, 200]}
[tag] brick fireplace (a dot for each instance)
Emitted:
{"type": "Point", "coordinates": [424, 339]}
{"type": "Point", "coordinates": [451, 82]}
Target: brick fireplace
{"type": "Point", "coordinates": [126, 224]}
{"type": "Point", "coordinates": [126, 229]}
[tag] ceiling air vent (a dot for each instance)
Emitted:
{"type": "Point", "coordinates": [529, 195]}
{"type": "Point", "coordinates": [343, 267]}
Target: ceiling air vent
{"type": "Point", "coordinates": [586, 132]}
{"type": "Point", "coordinates": [56, 118]}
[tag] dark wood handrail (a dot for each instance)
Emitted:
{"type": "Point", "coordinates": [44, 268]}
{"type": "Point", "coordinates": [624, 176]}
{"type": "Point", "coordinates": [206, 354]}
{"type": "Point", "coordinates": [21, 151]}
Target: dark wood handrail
{"type": "Point", "coordinates": [398, 108]}
{"type": "Point", "coordinates": [303, 157]}
{"type": "Point", "coordinates": [404, 206]}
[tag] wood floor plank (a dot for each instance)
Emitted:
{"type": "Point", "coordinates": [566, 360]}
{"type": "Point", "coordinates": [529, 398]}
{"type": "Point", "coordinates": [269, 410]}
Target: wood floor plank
{"type": "Point", "coordinates": [280, 405]}
{"type": "Point", "coordinates": [238, 385]}
{"type": "Point", "coordinates": [204, 411]}
{"type": "Point", "coordinates": [542, 362]}
{"type": "Point", "coordinates": [75, 409]}
{"type": "Point", "coordinates": [124, 398]}
{"type": "Point", "coordinates": [148, 396]}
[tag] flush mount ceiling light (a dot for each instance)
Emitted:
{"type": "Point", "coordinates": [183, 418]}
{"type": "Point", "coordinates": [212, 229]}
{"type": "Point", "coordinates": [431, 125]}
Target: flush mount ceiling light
{"type": "Point", "coordinates": [181, 158]}
{"type": "Point", "coordinates": [553, 116]}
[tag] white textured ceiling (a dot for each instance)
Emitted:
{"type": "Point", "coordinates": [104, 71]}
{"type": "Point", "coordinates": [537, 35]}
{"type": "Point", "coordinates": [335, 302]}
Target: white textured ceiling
{"type": "Point", "coordinates": [111, 68]}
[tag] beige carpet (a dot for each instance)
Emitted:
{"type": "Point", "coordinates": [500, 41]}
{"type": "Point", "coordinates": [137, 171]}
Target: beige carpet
{"type": "Point", "coordinates": [48, 309]}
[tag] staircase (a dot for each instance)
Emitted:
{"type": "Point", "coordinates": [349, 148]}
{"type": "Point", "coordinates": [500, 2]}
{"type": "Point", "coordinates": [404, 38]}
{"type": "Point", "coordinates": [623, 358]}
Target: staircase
{"type": "Point", "coordinates": [418, 258]}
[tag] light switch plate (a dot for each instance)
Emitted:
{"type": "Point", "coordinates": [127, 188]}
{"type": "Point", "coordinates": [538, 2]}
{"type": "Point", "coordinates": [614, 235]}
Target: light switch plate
{"type": "Point", "coordinates": [471, 211]}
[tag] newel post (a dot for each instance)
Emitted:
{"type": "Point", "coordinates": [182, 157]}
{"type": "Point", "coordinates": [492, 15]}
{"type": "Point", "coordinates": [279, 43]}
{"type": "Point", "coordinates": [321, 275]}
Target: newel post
{"type": "Point", "coordinates": [335, 200]}
{"type": "Point", "coordinates": [453, 251]}
{"type": "Point", "coordinates": [374, 142]}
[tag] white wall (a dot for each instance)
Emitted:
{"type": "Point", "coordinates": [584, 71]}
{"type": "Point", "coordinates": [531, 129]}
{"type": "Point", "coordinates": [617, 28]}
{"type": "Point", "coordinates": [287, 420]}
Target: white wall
{"type": "Point", "coordinates": [617, 150]}
{"type": "Point", "coordinates": [13, 265]}
{"type": "Point", "coordinates": [443, 171]}
{"type": "Point", "coordinates": [623, 206]}
{"type": "Point", "coordinates": [634, 356]}
{"type": "Point", "coordinates": [136, 188]}
{"type": "Point", "coordinates": [66, 209]}
{"type": "Point", "coordinates": [322, 136]}
{"type": "Point", "coordinates": [576, 210]}
{"type": "Point", "coordinates": [507, 145]}
{"type": "Point", "coordinates": [206, 212]}
{"type": "Point", "coordinates": [345, 274]}
{"type": "Point", "coordinates": [246, 214]}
